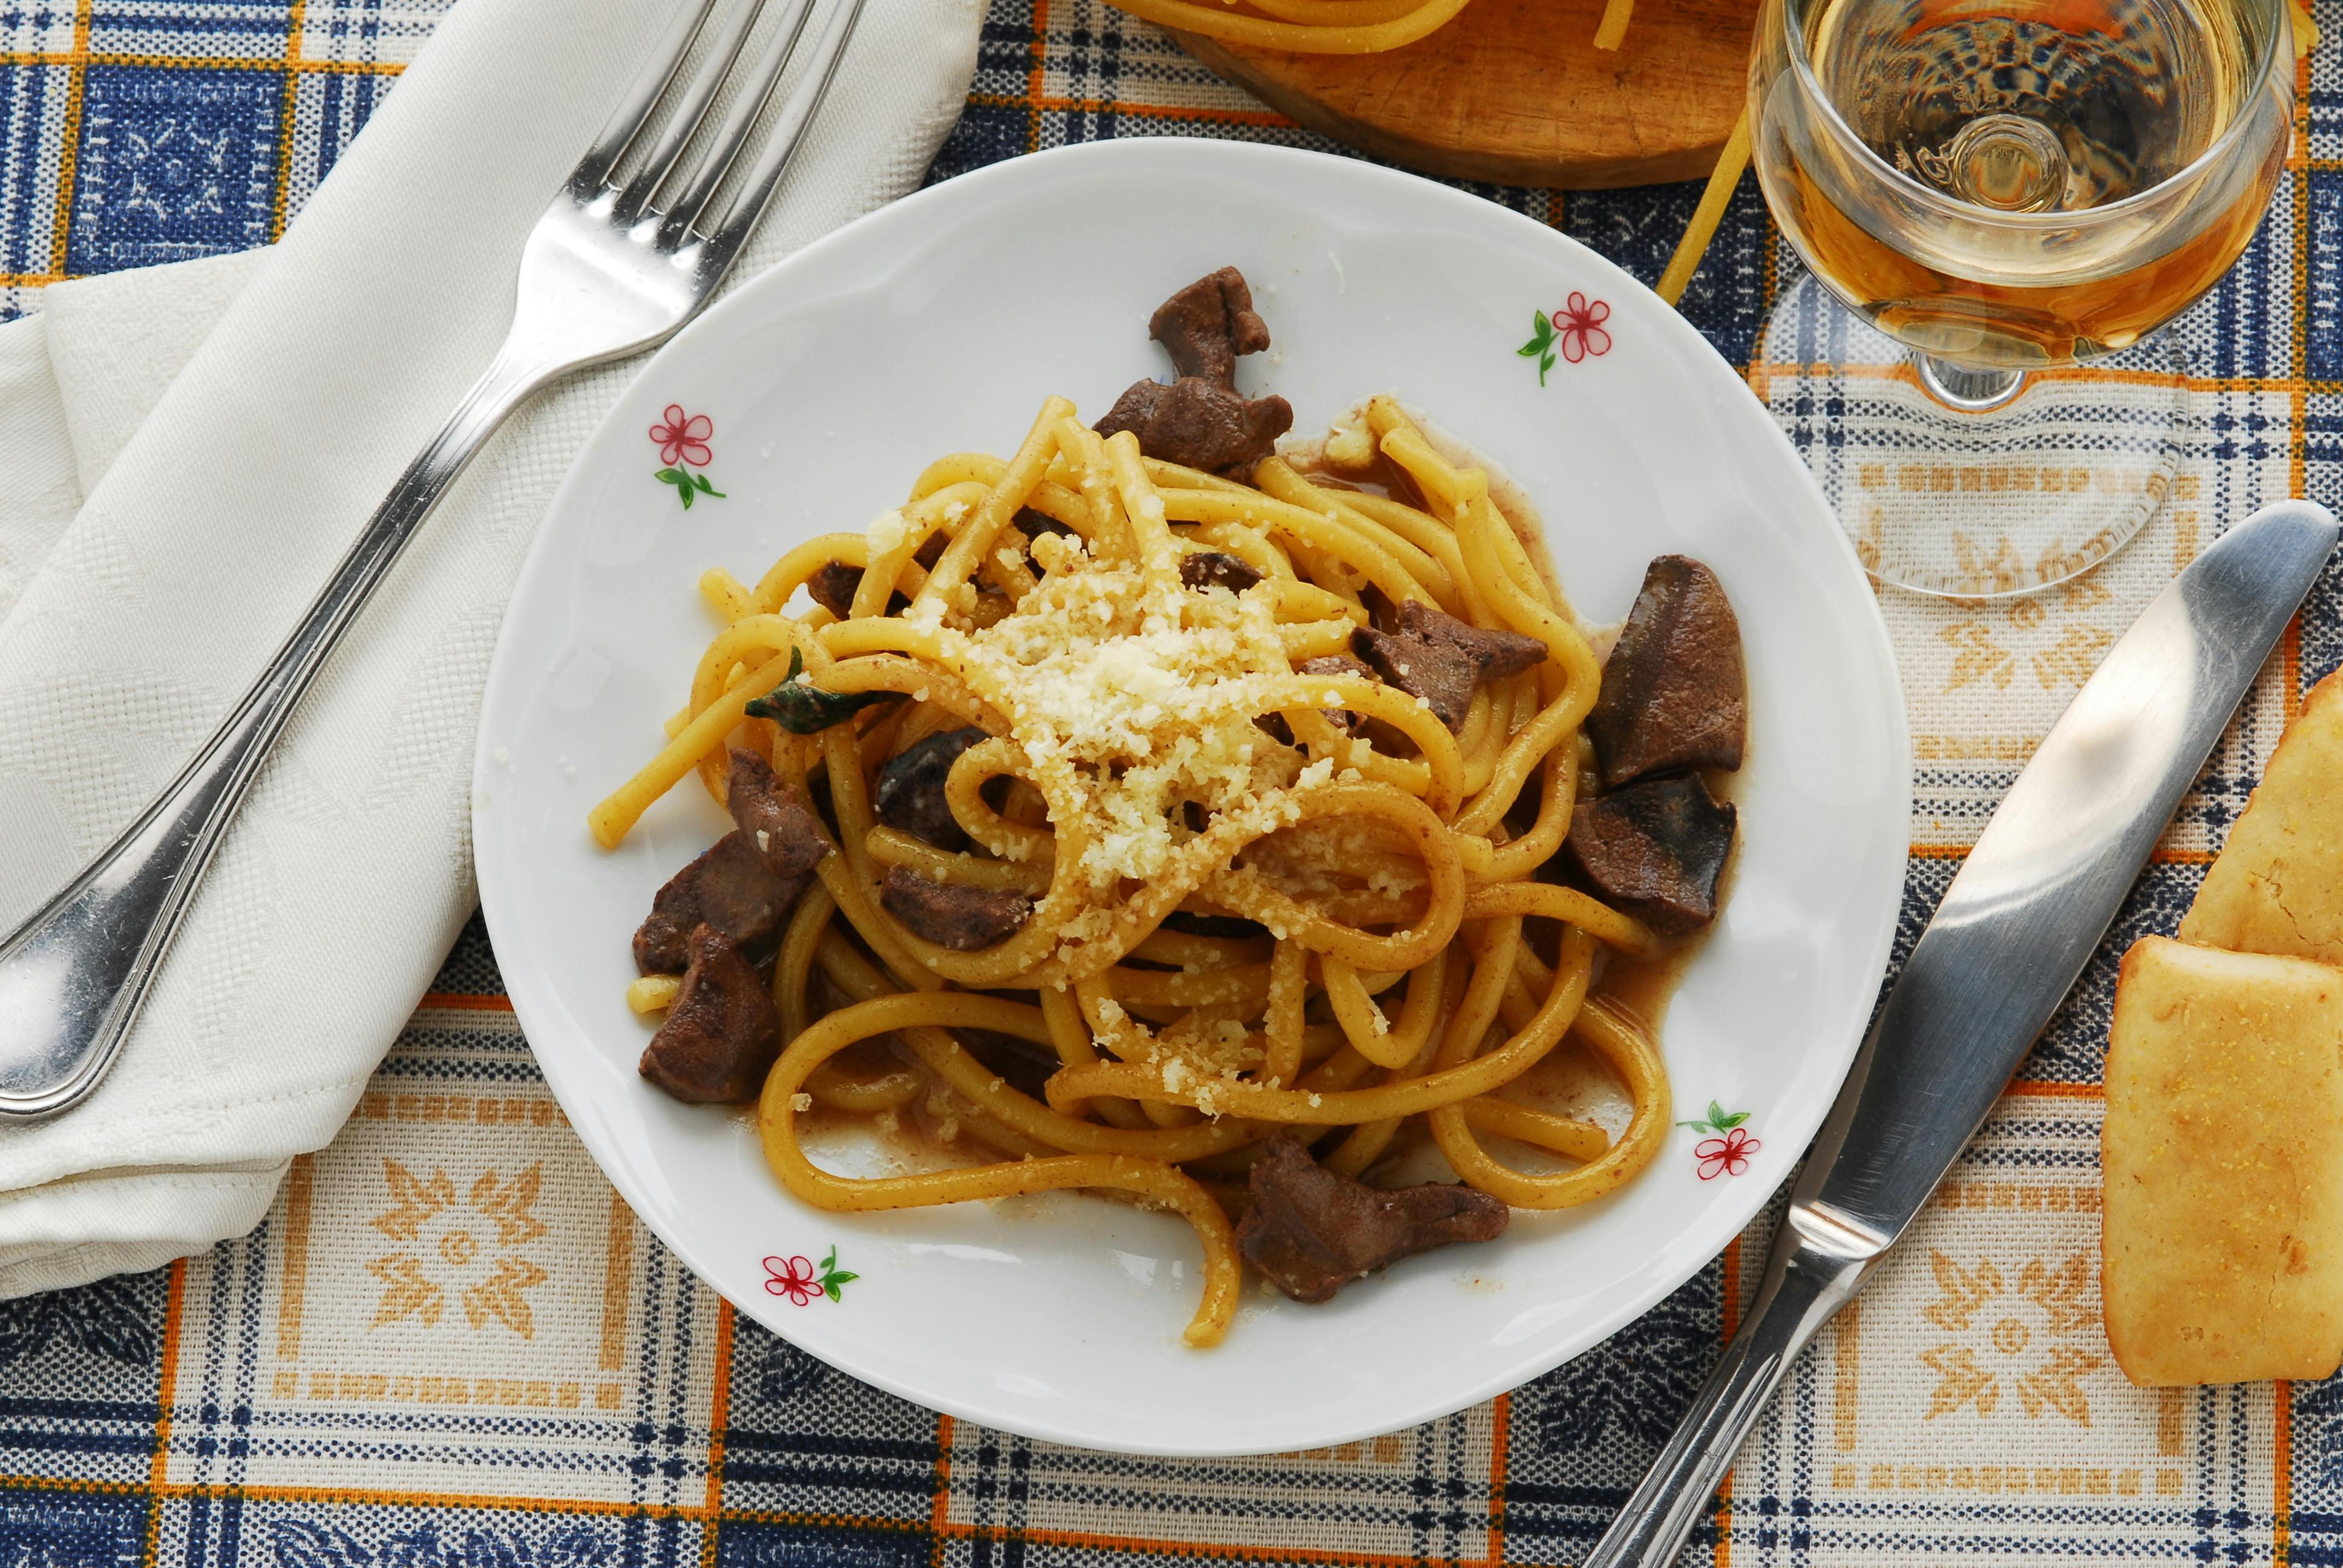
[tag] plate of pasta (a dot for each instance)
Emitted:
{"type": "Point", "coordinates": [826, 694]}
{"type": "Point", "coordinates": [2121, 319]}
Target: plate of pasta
{"type": "Point", "coordinates": [1170, 766]}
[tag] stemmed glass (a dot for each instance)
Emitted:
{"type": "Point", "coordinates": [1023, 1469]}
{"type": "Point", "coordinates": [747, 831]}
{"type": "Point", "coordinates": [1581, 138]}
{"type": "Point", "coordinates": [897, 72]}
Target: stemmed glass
{"type": "Point", "coordinates": [1999, 203]}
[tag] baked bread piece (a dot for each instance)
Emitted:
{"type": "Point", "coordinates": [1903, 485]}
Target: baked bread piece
{"type": "Point", "coordinates": [2277, 886]}
{"type": "Point", "coordinates": [2221, 1254]}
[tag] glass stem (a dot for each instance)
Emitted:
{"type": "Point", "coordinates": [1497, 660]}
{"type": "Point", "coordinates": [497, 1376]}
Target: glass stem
{"type": "Point", "coordinates": [1970, 391]}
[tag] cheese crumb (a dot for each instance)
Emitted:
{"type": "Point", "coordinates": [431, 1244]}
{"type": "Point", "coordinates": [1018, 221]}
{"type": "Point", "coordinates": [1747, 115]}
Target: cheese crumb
{"type": "Point", "coordinates": [801, 1102]}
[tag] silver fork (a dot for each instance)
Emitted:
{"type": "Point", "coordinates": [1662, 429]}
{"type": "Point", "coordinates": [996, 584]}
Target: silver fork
{"type": "Point", "coordinates": [611, 269]}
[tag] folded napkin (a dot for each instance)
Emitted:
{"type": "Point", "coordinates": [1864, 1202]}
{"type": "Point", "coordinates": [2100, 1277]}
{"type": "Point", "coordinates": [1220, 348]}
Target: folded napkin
{"type": "Point", "coordinates": [185, 452]}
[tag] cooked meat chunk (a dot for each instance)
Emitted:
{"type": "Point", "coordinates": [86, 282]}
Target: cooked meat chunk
{"type": "Point", "coordinates": [1032, 525]}
{"type": "Point", "coordinates": [1208, 324]}
{"type": "Point", "coordinates": [1342, 719]}
{"type": "Point", "coordinates": [833, 583]}
{"type": "Point", "coordinates": [1440, 658]}
{"type": "Point", "coordinates": [964, 919]}
{"type": "Point", "coordinates": [1201, 419]}
{"type": "Point", "coordinates": [1200, 424]}
{"type": "Point", "coordinates": [833, 587]}
{"type": "Point", "coordinates": [723, 1031]}
{"type": "Point", "coordinates": [1655, 850]}
{"type": "Point", "coordinates": [784, 828]}
{"type": "Point", "coordinates": [1211, 569]}
{"type": "Point", "coordinates": [1674, 694]}
{"type": "Point", "coordinates": [731, 888]}
{"type": "Point", "coordinates": [746, 885]}
{"type": "Point", "coordinates": [1313, 1231]}
{"type": "Point", "coordinates": [1026, 1067]}
{"type": "Point", "coordinates": [910, 795]}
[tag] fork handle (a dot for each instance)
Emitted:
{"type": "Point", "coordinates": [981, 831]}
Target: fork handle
{"type": "Point", "coordinates": [74, 976]}
{"type": "Point", "coordinates": [1806, 1282]}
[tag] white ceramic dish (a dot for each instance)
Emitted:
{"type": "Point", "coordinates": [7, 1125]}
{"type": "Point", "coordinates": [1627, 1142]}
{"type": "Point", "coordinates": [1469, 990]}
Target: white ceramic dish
{"type": "Point", "coordinates": [939, 325]}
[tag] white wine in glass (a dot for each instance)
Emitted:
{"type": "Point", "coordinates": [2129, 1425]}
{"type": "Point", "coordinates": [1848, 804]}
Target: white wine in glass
{"type": "Point", "coordinates": [2005, 186]}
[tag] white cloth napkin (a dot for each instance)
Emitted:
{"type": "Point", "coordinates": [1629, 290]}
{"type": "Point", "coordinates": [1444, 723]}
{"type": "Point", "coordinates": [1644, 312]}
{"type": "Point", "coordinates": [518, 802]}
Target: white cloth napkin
{"type": "Point", "coordinates": [183, 453]}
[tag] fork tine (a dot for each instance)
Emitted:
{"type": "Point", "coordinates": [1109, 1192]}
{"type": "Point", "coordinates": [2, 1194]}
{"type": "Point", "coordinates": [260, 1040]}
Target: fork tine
{"type": "Point", "coordinates": [789, 131]}
{"type": "Point", "coordinates": [690, 108]}
{"type": "Point", "coordinates": [739, 122]}
{"type": "Point", "coordinates": [626, 121]}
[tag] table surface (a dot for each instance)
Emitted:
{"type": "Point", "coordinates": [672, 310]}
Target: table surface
{"type": "Point", "coordinates": [451, 1342]}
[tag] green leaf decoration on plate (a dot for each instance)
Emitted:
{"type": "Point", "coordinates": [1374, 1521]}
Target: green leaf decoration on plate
{"type": "Point", "coordinates": [832, 1276]}
{"type": "Point", "coordinates": [1540, 347]}
{"type": "Point", "coordinates": [1718, 1120]}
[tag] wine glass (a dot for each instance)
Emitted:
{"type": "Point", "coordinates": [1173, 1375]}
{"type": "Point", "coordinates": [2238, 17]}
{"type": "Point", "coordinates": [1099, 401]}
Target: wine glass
{"type": "Point", "coordinates": [1986, 193]}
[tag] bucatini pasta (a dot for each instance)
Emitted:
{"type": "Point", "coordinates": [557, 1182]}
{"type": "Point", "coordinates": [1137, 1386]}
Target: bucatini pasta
{"type": "Point", "coordinates": [1164, 839]}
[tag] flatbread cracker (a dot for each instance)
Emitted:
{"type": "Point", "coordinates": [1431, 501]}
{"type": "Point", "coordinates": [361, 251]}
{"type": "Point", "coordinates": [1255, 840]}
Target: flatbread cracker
{"type": "Point", "coordinates": [2277, 886]}
{"type": "Point", "coordinates": [2222, 1244]}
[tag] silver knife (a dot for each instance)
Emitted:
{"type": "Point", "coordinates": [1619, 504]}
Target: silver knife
{"type": "Point", "coordinates": [2014, 928]}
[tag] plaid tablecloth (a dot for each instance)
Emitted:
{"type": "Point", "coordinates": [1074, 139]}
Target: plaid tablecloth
{"type": "Point", "coordinates": [452, 1344]}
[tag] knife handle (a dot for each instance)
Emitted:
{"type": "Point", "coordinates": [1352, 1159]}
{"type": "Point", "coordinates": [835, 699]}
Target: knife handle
{"type": "Point", "coordinates": [1815, 1269]}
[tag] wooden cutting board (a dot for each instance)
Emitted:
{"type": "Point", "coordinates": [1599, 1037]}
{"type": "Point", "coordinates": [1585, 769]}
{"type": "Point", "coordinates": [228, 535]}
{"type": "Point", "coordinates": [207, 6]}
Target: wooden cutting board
{"type": "Point", "coordinates": [1514, 91]}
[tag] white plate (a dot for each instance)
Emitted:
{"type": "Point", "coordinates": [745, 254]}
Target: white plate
{"type": "Point", "coordinates": [937, 325]}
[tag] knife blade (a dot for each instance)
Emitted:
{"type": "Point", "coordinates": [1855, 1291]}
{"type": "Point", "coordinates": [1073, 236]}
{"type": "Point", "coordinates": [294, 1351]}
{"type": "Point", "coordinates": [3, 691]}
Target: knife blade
{"type": "Point", "coordinates": [2028, 908]}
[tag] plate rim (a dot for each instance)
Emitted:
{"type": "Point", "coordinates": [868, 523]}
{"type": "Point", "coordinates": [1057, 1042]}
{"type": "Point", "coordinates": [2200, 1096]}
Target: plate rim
{"type": "Point", "coordinates": [976, 185]}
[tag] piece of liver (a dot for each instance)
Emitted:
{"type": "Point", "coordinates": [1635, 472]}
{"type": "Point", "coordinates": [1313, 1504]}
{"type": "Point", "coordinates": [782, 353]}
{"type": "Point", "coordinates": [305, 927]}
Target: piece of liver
{"type": "Point", "coordinates": [731, 888]}
{"type": "Point", "coordinates": [1312, 1231]}
{"type": "Point", "coordinates": [1674, 694]}
{"type": "Point", "coordinates": [1211, 569]}
{"type": "Point", "coordinates": [909, 794]}
{"type": "Point", "coordinates": [1207, 324]}
{"type": "Point", "coordinates": [722, 1034]}
{"type": "Point", "coordinates": [1655, 850]}
{"type": "Point", "coordinates": [1342, 719]}
{"type": "Point", "coordinates": [1201, 420]}
{"type": "Point", "coordinates": [747, 883]}
{"type": "Point", "coordinates": [965, 919]}
{"type": "Point", "coordinates": [785, 828]}
{"type": "Point", "coordinates": [1439, 658]}
{"type": "Point", "coordinates": [1199, 425]}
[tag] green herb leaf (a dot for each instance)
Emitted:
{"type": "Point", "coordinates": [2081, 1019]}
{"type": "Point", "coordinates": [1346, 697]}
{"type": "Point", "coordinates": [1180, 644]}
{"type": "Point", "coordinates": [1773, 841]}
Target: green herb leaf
{"type": "Point", "coordinates": [803, 708]}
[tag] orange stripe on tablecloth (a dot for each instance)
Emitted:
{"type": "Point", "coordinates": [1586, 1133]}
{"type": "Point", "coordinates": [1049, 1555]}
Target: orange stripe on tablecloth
{"type": "Point", "coordinates": [2037, 1089]}
{"type": "Point", "coordinates": [2282, 1474]}
{"type": "Point", "coordinates": [87, 56]}
{"type": "Point", "coordinates": [1500, 1456]}
{"type": "Point", "coordinates": [1041, 103]}
{"type": "Point", "coordinates": [166, 1389]}
{"type": "Point", "coordinates": [618, 1284]}
{"type": "Point", "coordinates": [296, 19]}
{"type": "Point", "coordinates": [1037, 72]}
{"type": "Point", "coordinates": [464, 1001]}
{"type": "Point", "coordinates": [300, 1188]}
{"type": "Point", "coordinates": [940, 1511]}
{"type": "Point", "coordinates": [719, 1415]}
{"type": "Point", "coordinates": [61, 225]}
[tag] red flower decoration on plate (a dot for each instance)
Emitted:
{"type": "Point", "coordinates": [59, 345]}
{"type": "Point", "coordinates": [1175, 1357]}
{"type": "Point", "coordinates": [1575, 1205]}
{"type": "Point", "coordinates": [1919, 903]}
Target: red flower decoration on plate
{"type": "Point", "coordinates": [1725, 1156]}
{"type": "Point", "coordinates": [1579, 327]}
{"type": "Point", "coordinates": [793, 1278]}
{"type": "Point", "coordinates": [683, 438]}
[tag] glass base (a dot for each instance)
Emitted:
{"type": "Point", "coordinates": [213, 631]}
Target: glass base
{"type": "Point", "coordinates": [1966, 484]}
